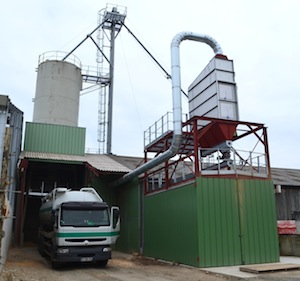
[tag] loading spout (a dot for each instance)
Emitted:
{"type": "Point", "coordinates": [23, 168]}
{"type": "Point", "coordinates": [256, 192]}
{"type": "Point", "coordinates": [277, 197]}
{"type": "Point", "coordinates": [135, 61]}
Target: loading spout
{"type": "Point", "coordinates": [177, 108]}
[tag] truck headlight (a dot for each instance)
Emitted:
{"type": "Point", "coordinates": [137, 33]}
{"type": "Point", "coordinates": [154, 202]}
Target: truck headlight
{"type": "Point", "coordinates": [106, 249]}
{"type": "Point", "coordinates": [62, 251]}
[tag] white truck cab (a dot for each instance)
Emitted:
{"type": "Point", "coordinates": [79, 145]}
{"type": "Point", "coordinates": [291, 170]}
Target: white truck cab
{"type": "Point", "coordinates": [77, 226]}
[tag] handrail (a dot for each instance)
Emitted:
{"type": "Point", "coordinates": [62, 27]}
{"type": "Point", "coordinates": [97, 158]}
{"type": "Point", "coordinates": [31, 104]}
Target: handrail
{"type": "Point", "coordinates": [58, 56]}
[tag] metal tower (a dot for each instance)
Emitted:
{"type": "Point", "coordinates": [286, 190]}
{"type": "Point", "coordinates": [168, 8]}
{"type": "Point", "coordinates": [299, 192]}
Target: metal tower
{"type": "Point", "coordinates": [110, 21]}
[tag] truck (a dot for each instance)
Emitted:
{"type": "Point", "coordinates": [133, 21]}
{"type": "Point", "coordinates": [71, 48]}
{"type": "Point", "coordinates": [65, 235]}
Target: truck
{"type": "Point", "coordinates": [77, 226]}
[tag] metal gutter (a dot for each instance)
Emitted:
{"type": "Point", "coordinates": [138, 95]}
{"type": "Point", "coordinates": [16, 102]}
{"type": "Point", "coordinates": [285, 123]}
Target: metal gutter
{"type": "Point", "coordinates": [177, 108]}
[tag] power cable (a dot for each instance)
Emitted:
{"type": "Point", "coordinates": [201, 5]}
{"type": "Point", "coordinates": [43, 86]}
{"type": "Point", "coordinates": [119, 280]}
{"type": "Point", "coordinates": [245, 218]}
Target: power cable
{"type": "Point", "coordinates": [168, 76]}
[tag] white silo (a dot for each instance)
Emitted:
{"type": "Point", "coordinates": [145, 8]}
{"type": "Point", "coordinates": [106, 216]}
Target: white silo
{"type": "Point", "coordinates": [57, 90]}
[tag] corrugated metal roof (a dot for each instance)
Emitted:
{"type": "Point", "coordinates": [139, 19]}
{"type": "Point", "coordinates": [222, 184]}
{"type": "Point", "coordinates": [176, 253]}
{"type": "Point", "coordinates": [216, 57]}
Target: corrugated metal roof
{"type": "Point", "coordinates": [286, 176]}
{"type": "Point", "coordinates": [106, 163]}
{"type": "Point", "coordinates": [131, 162]}
{"type": "Point", "coordinates": [101, 162]}
{"type": "Point", "coordinates": [125, 164]}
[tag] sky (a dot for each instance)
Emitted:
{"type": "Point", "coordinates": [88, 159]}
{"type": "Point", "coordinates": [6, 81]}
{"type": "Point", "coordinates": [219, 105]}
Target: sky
{"type": "Point", "coordinates": [261, 37]}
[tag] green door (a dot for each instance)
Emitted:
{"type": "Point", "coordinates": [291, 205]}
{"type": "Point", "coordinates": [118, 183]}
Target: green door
{"type": "Point", "coordinates": [236, 222]}
{"type": "Point", "coordinates": [218, 222]}
{"type": "Point", "coordinates": [259, 237]}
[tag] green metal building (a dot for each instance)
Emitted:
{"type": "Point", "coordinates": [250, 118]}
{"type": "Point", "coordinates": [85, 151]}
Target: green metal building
{"type": "Point", "coordinates": [184, 211]}
{"type": "Point", "coordinates": [213, 222]}
{"type": "Point", "coordinates": [187, 211]}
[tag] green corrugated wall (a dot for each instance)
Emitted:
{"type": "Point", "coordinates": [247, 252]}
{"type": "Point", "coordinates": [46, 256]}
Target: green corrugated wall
{"type": "Point", "coordinates": [218, 222]}
{"type": "Point", "coordinates": [51, 138]}
{"type": "Point", "coordinates": [100, 184]}
{"type": "Point", "coordinates": [171, 225]}
{"type": "Point", "coordinates": [258, 221]}
{"type": "Point", "coordinates": [128, 198]}
{"type": "Point", "coordinates": [214, 222]}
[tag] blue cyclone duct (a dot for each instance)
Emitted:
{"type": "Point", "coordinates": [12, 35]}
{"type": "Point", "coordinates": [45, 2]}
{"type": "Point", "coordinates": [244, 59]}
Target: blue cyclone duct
{"type": "Point", "coordinates": [57, 90]}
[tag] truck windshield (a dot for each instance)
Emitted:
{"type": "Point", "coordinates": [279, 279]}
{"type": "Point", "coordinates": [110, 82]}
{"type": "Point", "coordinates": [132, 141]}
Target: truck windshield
{"type": "Point", "coordinates": [84, 218]}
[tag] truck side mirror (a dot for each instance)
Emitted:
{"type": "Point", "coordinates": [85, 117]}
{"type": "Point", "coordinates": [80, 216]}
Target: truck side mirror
{"type": "Point", "coordinates": [115, 216]}
{"type": "Point", "coordinates": [54, 219]}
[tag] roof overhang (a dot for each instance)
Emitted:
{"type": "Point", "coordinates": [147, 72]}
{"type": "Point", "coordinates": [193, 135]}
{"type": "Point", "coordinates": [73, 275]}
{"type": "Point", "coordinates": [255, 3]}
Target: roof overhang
{"type": "Point", "coordinates": [99, 162]}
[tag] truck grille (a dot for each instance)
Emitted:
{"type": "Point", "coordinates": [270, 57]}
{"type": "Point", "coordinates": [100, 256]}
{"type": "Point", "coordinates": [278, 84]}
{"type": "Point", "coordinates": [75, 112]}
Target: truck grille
{"type": "Point", "coordinates": [89, 240]}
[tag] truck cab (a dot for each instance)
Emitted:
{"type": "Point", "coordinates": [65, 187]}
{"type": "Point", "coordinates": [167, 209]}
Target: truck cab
{"type": "Point", "coordinates": [77, 226]}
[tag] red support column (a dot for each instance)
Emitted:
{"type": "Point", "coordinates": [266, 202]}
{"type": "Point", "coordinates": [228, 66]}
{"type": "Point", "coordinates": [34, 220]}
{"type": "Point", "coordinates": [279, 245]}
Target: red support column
{"type": "Point", "coordinates": [266, 144]}
{"type": "Point", "coordinates": [145, 175]}
{"type": "Point", "coordinates": [167, 175]}
{"type": "Point", "coordinates": [196, 148]}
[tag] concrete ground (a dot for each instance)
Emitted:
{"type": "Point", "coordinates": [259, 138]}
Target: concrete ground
{"type": "Point", "coordinates": [234, 271]}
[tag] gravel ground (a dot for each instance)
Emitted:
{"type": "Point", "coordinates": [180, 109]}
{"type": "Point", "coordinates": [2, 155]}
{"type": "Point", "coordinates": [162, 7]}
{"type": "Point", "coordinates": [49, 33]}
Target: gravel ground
{"type": "Point", "coordinates": [25, 264]}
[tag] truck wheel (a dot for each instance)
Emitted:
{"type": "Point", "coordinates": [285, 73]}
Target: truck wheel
{"type": "Point", "coordinates": [56, 265]}
{"type": "Point", "coordinates": [41, 249]}
{"type": "Point", "coordinates": [42, 253]}
{"type": "Point", "coordinates": [102, 263]}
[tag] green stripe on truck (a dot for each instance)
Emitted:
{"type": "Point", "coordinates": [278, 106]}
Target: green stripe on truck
{"type": "Point", "coordinates": [86, 234]}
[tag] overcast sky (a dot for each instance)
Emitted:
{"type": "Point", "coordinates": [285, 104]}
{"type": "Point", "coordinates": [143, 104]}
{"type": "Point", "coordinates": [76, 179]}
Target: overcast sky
{"type": "Point", "coordinates": [262, 37]}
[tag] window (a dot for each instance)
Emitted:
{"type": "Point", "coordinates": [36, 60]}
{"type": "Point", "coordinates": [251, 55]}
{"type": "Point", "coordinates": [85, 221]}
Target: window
{"type": "Point", "coordinates": [84, 217]}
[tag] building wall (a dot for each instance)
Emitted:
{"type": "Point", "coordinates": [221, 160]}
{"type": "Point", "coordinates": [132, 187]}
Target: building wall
{"type": "Point", "coordinates": [287, 203]}
{"type": "Point", "coordinates": [170, 225]}
{"type": "Point", "coordinates": [100, 184]}
{"type": "Point", "coordinates": [213, 222]}
{"type": "Point", "coordinates": [11, 129]}
{"type": "Point", "coordinates": [240, 222]}
{"type": "Point", "coordinates": [218, 222]}
{"type": "Point", "coordinates": [129, 202]}
{"type": "Point", "coordinates": [128, 199]}
{"type": "Point", "coordinates": [258, 221]}
{"type": "Point", "coordinates": [50, 138]}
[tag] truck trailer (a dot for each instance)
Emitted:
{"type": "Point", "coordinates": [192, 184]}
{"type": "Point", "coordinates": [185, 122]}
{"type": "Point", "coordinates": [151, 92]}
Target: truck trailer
{"type": "Point", "coordinates": [77, 226]}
